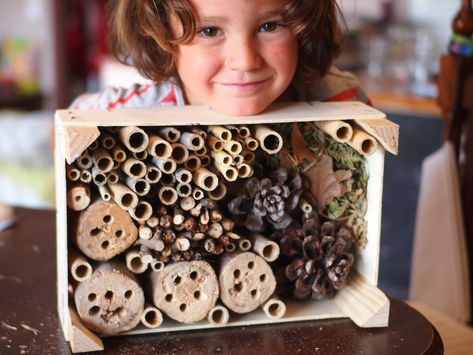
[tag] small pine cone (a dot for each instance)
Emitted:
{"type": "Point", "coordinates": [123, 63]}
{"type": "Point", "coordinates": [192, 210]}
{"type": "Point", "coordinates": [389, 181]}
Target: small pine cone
{"type": "Point", "coordinates": [169, 236]}
{"type": "Point", "coordinates": [165, 221]}
{"type": "Point", "coordinates": [189, 223]}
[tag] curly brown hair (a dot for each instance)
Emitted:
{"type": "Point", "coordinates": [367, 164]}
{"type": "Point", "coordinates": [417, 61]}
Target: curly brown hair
{"type": "Point", "coordinates": [140, 34]}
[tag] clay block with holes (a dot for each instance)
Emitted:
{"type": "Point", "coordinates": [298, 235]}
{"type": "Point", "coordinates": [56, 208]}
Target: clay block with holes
{"type": "Point", "coordinates": [246, 282]}
{"type": "Point", "coordinates": [185, 291]}
{"type": "Point", "coordinates": [104, 230]}
{"type": "Point", "coordinates": [110, 301]}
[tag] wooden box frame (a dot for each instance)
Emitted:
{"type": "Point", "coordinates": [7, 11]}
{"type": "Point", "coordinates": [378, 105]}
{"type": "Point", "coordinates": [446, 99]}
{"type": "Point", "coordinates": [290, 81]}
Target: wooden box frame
{"type": "Point", "coordinates": [359, 300]}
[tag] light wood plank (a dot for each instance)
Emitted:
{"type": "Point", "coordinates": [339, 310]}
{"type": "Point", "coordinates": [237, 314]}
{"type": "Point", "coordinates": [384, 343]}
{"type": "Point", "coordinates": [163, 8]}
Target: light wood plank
{"type": "Point", "coordinates": [77, 140]}
{"type": "Point", "coordinates": [81, 338]}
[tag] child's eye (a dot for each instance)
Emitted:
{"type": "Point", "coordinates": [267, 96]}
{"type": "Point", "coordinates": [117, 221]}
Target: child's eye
{"type": "Point", "coordinates": [270, 27]}
{"type": "Point", "coordinates": [209, 31]}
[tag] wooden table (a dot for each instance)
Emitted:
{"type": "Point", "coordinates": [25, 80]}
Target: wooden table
{"type": "Point", "coordinates": [29, 323]}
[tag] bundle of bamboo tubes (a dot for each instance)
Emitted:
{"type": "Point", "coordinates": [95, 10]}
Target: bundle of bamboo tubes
{"type": "Point", "coordinates": [148, 211]}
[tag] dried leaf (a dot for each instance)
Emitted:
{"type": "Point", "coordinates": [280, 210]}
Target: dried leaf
{"type": "Point", "coordinates": [325, 184]}
{"type": "Point", "coordinates": [286, 161]}
{"type": "Point", "coordinates": [299, 147]}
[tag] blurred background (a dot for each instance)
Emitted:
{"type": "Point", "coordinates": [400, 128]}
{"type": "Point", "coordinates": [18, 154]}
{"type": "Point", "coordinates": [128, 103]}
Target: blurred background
{"type": "Point", "coordinates": [53, 50]}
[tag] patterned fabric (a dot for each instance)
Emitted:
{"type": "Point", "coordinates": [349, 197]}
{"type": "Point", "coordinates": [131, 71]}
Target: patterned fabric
{"type": "Point", "coordinates": [335, 86]}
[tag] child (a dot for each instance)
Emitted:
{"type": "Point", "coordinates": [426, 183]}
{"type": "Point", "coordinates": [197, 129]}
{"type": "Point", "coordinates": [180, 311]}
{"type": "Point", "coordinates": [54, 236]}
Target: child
{"type": "Point", "coordinates": [235, 56]}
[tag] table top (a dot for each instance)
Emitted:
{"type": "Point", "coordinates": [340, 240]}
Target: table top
{"type": "Point", "coordinates": [29, 321]}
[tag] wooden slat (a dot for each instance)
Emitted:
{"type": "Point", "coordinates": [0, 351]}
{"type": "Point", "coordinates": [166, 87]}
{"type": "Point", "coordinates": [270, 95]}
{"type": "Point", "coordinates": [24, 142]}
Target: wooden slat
{"type": "Point", "coordinates": [385, 131]}
{"type": "Point", "coordinates": [202, 115]}
{"type": "Point", "coordinates": [364, 303]}
{"type": "Point", "coordinates": [81, 338]}
{"type": "Point", "coordinates": [77, 140]}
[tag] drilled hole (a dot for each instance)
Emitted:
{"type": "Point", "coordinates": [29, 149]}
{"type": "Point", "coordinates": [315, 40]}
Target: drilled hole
{"type": "Point", "coordinates": [238, 287]}
{"type": "Point", "coordinates": [105, 244]}
{"type": "Point", "coordinates": [193, 275]}
{"type": "Point", "coordinates": [262, 278]}
{"type": "Point", "coordinates": [128, 294]}
{"type": "Point", "coordinates": [236, 273]}
{"type": "Point", "coordinates": [197, 295]}
{"type": "Point", "coordinates": [107, 219]}
{"type": "Point", "coordinates": [168, 297]}
{"type": "Point", "coordinates": [94, 232]}
{"type": "Point", "coordinates": [94, 311]}
{"type": "Point", "coordinates": [177, 280]}
{"type": "Point", "coordinates": [92, 297]}
{"type": "Point", "coordinates": [254, 293]}
{"type": "Point", "coordinates": [182, 307]}
{"type": "Point", "coordinates": [119, 233]}
{"type": "Point", "coordinates": [109, 295]}
{"type": "Point", "coordinates": [251, 265]}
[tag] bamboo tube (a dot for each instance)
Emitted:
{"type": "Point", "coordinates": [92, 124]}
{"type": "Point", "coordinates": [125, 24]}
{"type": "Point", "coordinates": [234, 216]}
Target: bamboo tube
{"type": "Point", "coordinates": [251, 143]}
{"type": "Point", "coordinates": [153, 222]}
{"type": "Point", "coordinates": [248, 156]}
{"type": "Point", "coordinates": [156, 265]}
{"type": "Point", "coordinates": [216, 216]}
{"type": "Point", "coordinates": [153, 174]}
{"type": "Point", "coordinates": [228, 226]}
{"type": "Point", "coordinates": [218, 315]}
{"type": "Point", "coordinates": [215, 230]}
{"type": "Point", "coordinates": [134, 261]}
{"type": "Point", "coordinates": [98, 177]}
{"type": "Point", "coordinates": [84, 161]}
{"type": "Point", "coordinates": [178, 216]}
{"type": "Point", "coordinates": [168, 180]}
{"type": "Point", "coordinates": [244, 244]}
{"type": "Point", "coordinates": [104, 192]}
{"type": "Point", "coordinates": [228, 172]}
{"type": "Point", "coordinates": [244, 170]}
{"type": "Point", "coordinates": [179, 153]}
{"type": "Point", "coordinates": [104, 230]}
{"type": "Point", "coordinates": [123, 196]}
{"type": "Point", "coordinates": [185, 291]}
{"type": "Point", "coordinates": [78, 197]}
{"type": "Point", "coordinates": [112, 177]}
{"type": "Point", "coordinates": [198, 236]}
{"type": "Point", "coordinates": [134, 168]}
{"type": "Point", "coordinates": [134, 138]}
{"type": "Point", "coordinates": [305, 206]}
{"type": "Point", "coordinates": [192, 163]}
{"type": "Point", "coordinates": [340, 131]}
{"type": "Point", "coordinates": [118, 154]}
{"type": "Point", "coordinates": [246, 281]}
{"type": "Point", "coordinates": [182, 244]}
{"type": "Point", "coordinates": [145, 232]}
{"type": "Point", "coordinates": [140, 155]}
{"type": "Point", "coordinates": [187, 203]}
{"type": "Point", "coordinates": [234, 130]}
{"type": "Point", "coordinates": [237, 159]}
{"type": "Point", "coordinates": [139, 186]}
{"type": "Point", "coordinates": [214, 143]}
{"type": "Point", "coordinates": [205, 161]}
{"type": "Point", "coordinates": [266, 248]}
{"type": "Point", "coordinates": [230, 247]}
{"type": "Point", "coordinates": [232, 147]}
{"type": "Point", "coordinates": [197, 194]}
{"type": "Point", "coordinates": [116, 165]}
{"type": "Point", "coordinates": [167, 166]}
{"type": "Point", "coordinates": [362, 142]}
{"type": "Point", "coordinates": [183, 190]}
{"type": "Point", "coordinates": [107, 141]}
{"type": "Point", "coordinates": [171, 134]}
{"type": "Point", "coordinates": [201, 152]}
{"type": "Point", "coordinates": [80, 267]}
{"type": "Point", "coordinates": [85, 176]}
{"type": "Point", "coordinates": [200, 132]}
{"type": "Point", "coordinates": [219, 192]}
{"type": "Point", "coordinates": [221, 133]}
{"type": "Point", "coordinates": [94, 145]}
{"type": "Point", "coordinates": [222, 157]}
{"type": "Point", "coordinates": [72, 173]}
{"type": "Point", "coordinates": [244, 131]}
{"type": "Point", "coordinates": [151, 317]}
{"type": "Point", "coordinates": [274, 308]}
{"type": "Point", "coordinates": [110, 301]}
{"type": "Point", "coordinates": [205, 179]}
{"type": "Point", "coordinates": [102, 160]}
{"type": "Point", "coordinates": [141, 212]}
{"type": "Point", "coordinates": [209, 246]}
{"type": "Point", "coordinates": [159, 147]}
{"type": "Point", "coordinates": [269, 140]}
{"type": "Point", "coordinates": [184, 176]}
{"type": "Point", "coordinates": [192, 141]}
{"type": "Point", "coordinates": [167, 195]}
{"type": "Point", "coordinates": [155, 243]}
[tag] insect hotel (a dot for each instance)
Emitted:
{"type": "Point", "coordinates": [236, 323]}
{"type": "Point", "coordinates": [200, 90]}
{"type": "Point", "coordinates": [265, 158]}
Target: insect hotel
{"type": "Point", "coordinates": [181, 218]}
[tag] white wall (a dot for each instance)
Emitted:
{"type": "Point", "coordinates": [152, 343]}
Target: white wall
{"type": "Point", "coordinates": [32, 19]}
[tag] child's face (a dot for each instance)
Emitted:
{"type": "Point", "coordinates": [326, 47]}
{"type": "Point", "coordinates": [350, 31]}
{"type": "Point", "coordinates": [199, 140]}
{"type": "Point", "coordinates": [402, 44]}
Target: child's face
{"type": "Point", "coordinates": [241, 59]}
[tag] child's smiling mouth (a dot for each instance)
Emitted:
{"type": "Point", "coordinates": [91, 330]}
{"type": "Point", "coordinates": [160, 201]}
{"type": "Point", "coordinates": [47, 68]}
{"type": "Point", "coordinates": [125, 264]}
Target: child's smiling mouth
{"type": "Point", "coordinates": [244, 86]}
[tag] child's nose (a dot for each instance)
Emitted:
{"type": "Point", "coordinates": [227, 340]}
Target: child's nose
{"type": "Point", "coordinates": [243, 55]}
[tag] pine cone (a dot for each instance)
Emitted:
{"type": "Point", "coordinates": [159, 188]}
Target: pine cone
{"type": "Point", "coordinates": [324, 257]}
{"type": "Point", "coordinates": [267, 200]}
